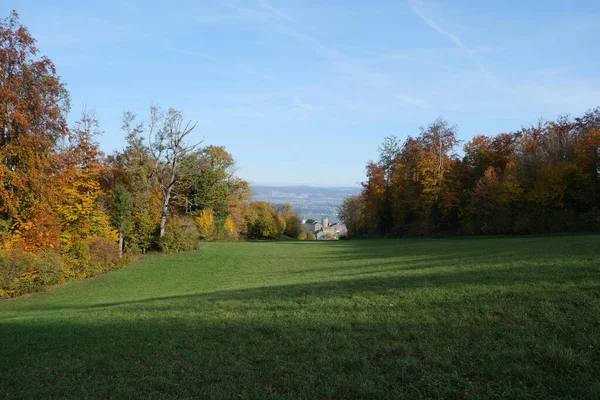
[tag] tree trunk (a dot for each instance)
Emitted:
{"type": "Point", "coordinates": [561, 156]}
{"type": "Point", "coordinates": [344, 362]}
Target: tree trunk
{"type": "Point", "coordinates": [164, 214]}
{"type": "Point", "coordinates": [120, 244]}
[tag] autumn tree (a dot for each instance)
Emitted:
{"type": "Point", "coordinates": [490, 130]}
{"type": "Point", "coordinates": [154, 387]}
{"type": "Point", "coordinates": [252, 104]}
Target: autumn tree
{"type": "Point", "coordinates": [388, 156]}
{"type": "Point", "coordinates": [374, 190]}
{"type": "Point", "coordinates": [351, 212]}
{"type": "Point", "coordinates": [543, 178]}
{"type": "Point", "coordinates": [261, 221]}
{"type": "Point", "coordinates": [439, 141]}
{"type": "Point", "coordinates": [238, 203]}
{"type": "Point", "coordinates": [206, 224]}
{"type": "Point", "coordinates": [407, 188]}
{"type": "Point", "coordinates": [230, 230]}
{"type": "Point", "coordinates": [33, 104]}
{"type": "Point", "coordinates": [485, 202]}
{"type": "Point", "coordinates": [289, 222]}
{"type": "Point", "coordinates": [436, 168]}
{"type": "Point", "coordinates": [81, 166]}
{"type": "Point", "coordinates": [476, 160]}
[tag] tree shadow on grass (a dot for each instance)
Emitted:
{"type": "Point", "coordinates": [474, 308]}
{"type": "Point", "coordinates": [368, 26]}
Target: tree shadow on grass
{"type": "Point", "coordinates": [452, 249]}
{"type": "Point", "coordinates": [375, 258]}
{"type": "Point", "coordinates": [402, 263]}
{"type": "Point", "coordinates": [486, 327]}
{"type": "Point", "coordinates": [352, 339]}
{"type": "Point", "coordinates": [354, 280]}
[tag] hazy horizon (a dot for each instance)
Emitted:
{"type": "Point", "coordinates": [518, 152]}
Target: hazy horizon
{"type": "Point", "coordinates": [284, 184]}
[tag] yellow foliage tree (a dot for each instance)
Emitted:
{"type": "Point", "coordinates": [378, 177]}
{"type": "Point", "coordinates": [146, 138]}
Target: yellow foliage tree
{"type": "Point", "coordinates": [81, 170]}
{"type": "Point", "coordinates": [229, 228]}
{"type": "Point", "coordinates": [280, 223]}
{"type": "Point", "coordinates": [206, 224]}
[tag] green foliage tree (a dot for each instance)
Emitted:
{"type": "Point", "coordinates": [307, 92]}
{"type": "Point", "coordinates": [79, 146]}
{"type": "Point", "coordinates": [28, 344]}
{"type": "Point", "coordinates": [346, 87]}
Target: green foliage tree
{"type": "Point", "coordinates": [133, 168]}
{"type": "Point", "coordinates": [121, 213]}
{"type": "Point", "coordinates": [208, 183]}
{"type": "Point", "coordinates": [351, 212]}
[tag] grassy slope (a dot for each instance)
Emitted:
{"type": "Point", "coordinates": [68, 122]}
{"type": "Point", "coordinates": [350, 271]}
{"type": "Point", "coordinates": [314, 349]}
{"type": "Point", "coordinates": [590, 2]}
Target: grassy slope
{"type": "Point", "coordinates": [478, 318]}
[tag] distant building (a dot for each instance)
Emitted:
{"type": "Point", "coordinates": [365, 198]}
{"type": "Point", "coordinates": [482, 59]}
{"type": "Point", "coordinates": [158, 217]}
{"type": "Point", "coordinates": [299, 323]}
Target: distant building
{"type": "Point", "coordinates": [323, 230]}
{"type": "Point", "coordinates": [312, 225]}
{"type": "Point", "coordinates": [337, 227]}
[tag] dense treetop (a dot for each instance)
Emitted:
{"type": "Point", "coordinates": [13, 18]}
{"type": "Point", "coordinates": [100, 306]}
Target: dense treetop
{"type": "Point", "coordinates": [542, 178]}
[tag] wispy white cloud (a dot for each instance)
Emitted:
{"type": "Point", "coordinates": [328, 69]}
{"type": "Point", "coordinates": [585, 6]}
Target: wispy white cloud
{"type": "Point", "coordinates": [417, 8]}
{"type": "Point", "coordinates": [433, 25]}
{"type": "Point", "coordinates": [240, 14]}
{"type": "Point", "coordinates": [352, 75]}
{"type": "Point", "coordinates": [281, 22]}
{"type": "Point", "coordinates": [267, 5]}
{"type": "Point", "coordinates": [335, 57]}
{"type": "Point", "coordinates": [413, 101]}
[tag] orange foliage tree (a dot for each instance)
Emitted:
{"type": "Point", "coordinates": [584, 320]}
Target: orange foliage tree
{"type": "Point", "coordinates": [33, 102]}
{"type": "Point", "coordinates": [543, 178]}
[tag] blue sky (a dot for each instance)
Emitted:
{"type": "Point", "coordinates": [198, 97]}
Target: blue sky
{"type": "Point", "coordinates": [303, 92]}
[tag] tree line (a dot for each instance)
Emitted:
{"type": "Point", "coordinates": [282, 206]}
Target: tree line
{"type": "Point", "coordinates": [544, 178]}
{"type": "Point", "coordinates": [67, 210]}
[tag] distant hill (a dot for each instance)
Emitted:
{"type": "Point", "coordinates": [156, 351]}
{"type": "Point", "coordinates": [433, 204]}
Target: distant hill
{"type": "Point", "coordinates": [308, 201]}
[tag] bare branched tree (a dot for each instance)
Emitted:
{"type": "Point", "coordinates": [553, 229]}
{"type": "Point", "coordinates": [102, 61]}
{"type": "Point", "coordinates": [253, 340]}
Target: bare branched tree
{"type": "Point", "coordinates": [168, 134]}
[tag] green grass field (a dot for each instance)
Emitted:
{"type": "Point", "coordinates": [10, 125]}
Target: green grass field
{"type": "Point", "coordinates": [455, 318]}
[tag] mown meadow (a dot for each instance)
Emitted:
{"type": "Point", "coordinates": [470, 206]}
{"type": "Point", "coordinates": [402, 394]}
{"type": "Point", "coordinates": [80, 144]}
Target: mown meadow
{"type": "Point", "coordinates": [422, 318]}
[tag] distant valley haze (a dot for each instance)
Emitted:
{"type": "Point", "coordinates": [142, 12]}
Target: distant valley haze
{"type": "Point", "coordinates": [308, 201]}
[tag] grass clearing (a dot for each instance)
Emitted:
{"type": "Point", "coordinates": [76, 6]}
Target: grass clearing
{"type": "Point", "coordinates": [453, 318]}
